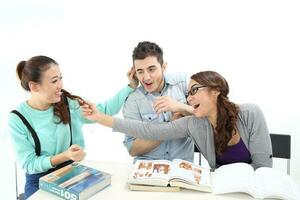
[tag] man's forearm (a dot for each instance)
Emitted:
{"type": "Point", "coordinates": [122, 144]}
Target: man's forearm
{"type": "Point", "coordinates": [140, 147]}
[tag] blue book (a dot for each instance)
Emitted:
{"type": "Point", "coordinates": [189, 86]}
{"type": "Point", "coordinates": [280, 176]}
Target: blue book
{"type": "Point", "coordinates": [75, 182]}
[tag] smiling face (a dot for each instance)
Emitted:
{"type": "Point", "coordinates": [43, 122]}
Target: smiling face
{"type": "Point", "coordinates": [202, 99]}
{"type": "Point", "coordinates": [50, 86]}
{"type": "Point", "coordinates": [150, 73]}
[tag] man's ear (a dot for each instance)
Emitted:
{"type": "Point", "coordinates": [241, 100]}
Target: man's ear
{"type": "Point", "coordinates": [33, 86]}
{"type": "Point", "coordinates": [164, 66]}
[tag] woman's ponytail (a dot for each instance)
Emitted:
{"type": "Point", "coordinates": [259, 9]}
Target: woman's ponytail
{"type": "Point", "coordinates": [19, 70]}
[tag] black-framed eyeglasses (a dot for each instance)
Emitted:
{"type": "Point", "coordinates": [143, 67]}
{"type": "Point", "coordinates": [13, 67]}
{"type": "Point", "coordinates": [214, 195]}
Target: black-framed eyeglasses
{"type": "Point", "coordinates": [194, 89]}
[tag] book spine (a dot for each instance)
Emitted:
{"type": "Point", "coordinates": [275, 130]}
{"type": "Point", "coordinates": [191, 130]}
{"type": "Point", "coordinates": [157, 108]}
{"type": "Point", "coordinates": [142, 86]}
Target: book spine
{"type": "Point", "coordinates": [58, 191]}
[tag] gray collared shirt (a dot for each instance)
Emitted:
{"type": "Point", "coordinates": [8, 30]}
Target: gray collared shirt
{"type": "Point", "coordinates": [139, 106]}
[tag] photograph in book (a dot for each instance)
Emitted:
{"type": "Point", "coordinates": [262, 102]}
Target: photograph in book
{"type": "Point", "coordinates": [262, 183]}
{"type": "Point", "coordinates": [75, 182]}
{"type": "Point", "coordinates": [177, 174]}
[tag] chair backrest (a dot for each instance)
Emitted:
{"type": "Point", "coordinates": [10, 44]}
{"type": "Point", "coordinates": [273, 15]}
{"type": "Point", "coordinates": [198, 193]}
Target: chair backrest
{"type": "Point", "coordinates": [281, 147]}
{"type": "Point", "coordinates": [19, 196]}
{"type": "Point", "coordinates": [196, 150]}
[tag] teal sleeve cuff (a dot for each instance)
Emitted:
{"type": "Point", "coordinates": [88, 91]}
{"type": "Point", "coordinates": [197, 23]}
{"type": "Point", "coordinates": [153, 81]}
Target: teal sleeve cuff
{"type": "Point", "coordinates": [129, 88]}
{"type": "Point", "coordinates": [47, 163]}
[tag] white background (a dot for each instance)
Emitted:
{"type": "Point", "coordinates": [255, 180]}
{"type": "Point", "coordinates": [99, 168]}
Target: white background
{"type": "Point", "coordinates": [254, 44]}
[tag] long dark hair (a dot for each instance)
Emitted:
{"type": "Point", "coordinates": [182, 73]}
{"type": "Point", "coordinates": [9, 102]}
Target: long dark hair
{"type": "Point", "coordinates": [32, 70]}
{"type": "Point", "coordinates": [227, 111]}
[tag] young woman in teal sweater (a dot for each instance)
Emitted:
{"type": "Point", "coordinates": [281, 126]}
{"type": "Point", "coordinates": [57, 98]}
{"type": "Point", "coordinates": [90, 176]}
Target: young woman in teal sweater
{"type": "Point", "coordinates": [46, 130]}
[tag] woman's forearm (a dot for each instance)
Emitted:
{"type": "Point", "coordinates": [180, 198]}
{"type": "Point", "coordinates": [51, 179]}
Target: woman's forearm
{"type": "Point", "coordinates": [58, 159]}
{"type": "Point", "coordinates": [105, 120]}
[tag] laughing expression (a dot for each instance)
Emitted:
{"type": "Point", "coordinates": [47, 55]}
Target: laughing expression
{"type": "Point", "coordinates": [203, 100]}
{"type": "Point", "coordinates": [150, 73]}
{"type": "Point", "coordinates": [51, 85]}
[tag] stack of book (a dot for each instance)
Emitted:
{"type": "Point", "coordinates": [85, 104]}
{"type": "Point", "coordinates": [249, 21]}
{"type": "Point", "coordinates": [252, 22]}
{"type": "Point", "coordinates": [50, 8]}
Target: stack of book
{"type": "Point", "coordinates": [75, 182]}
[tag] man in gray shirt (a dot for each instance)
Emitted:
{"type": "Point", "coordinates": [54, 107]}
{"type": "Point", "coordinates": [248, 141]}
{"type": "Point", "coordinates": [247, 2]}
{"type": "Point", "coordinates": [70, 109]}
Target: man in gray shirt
{"type": "Point", "coordinates": [157, 100]}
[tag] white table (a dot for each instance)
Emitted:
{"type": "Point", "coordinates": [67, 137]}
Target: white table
{"type": "Point", "coordinates": [119, 190]}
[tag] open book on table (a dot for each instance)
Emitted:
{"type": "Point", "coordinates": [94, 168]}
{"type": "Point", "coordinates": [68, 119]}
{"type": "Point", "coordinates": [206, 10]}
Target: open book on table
{"type": "Point", "coordinates": [154, 175]}
{"type": "Point", "coordinates": [262, 183]}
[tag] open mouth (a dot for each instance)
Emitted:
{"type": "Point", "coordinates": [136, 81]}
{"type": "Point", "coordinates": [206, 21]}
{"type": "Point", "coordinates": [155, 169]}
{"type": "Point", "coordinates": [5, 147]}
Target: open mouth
{"type": "Point", "coordinates": [196, 106]}
{"type": "Point", "coordinates": [147, 84]}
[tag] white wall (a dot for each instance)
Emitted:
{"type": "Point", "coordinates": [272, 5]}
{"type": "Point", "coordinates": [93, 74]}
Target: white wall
{"type": "Point", "coordinates": [254, 44]}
